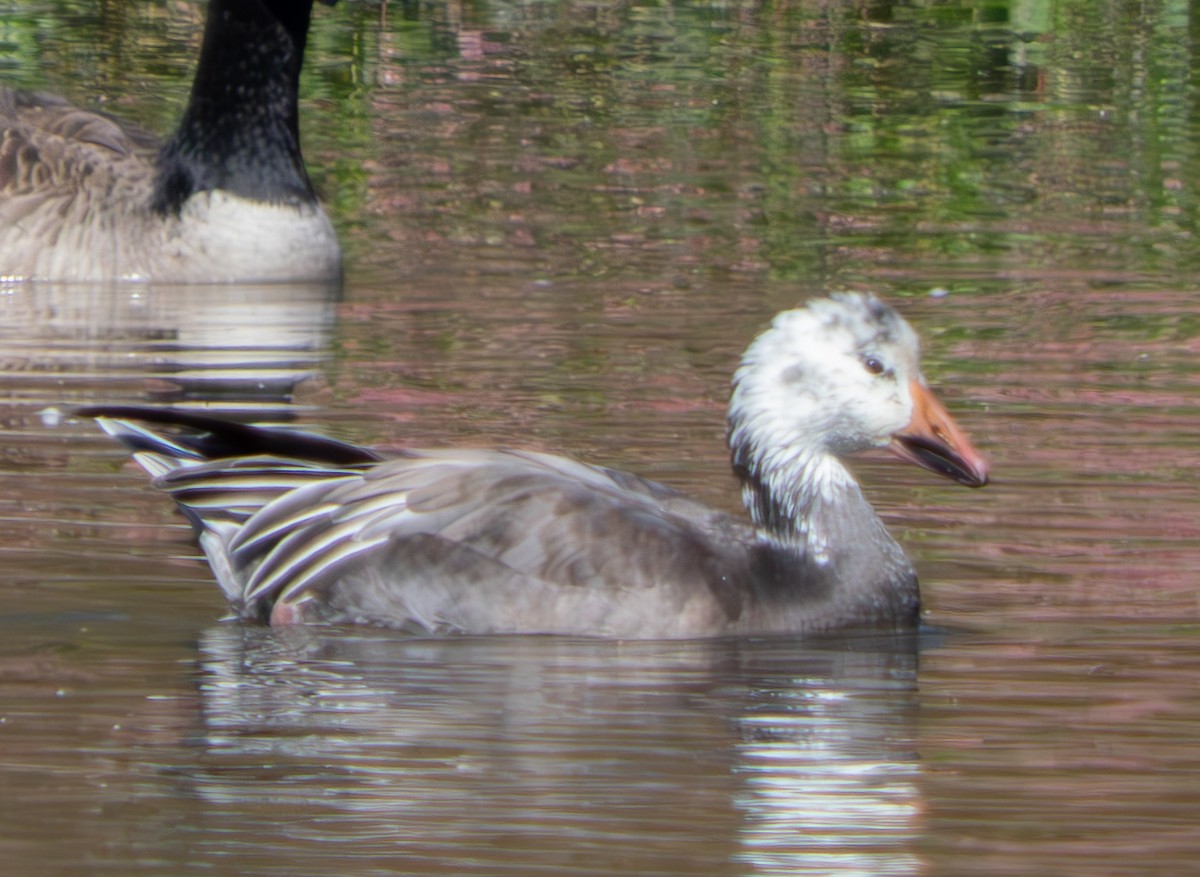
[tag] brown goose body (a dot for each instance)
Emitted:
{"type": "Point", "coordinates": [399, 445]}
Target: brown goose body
{"type": "Point", "coordinates": [299, 528]}
{"type": "Point", "coordinates": [226, 198]}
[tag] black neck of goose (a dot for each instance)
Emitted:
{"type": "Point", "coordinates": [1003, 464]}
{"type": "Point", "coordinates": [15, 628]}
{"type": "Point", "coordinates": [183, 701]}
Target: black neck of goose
{"type": "Point", "coordinates": [240, 132]}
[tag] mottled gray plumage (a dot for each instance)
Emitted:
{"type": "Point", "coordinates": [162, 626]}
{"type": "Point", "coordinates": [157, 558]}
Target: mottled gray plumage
{"type": "Point", "coordinates": [226, 198]}
{"type": "Point", "coordinates": [488, 541]}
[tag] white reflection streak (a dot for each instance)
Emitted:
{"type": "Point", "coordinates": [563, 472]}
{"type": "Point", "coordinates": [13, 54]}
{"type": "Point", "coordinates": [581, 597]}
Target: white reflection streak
{"type": "Point", "coordinates": [236, 345]}
{"type": "Point", "coordinates": [817, 802]}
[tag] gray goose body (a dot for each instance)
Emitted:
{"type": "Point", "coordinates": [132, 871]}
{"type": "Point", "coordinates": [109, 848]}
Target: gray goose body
{"type": "Point", "coordinates": [225, 199]}
{"type": "Point", "coordinates": [299, 528]}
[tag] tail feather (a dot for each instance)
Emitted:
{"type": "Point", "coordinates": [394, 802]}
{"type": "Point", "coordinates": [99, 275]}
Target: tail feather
{"type": "Point", "coordinates": [144, 441]}
{"type": "Point", "coordinates": [222, 474]}
{"type": "Point", "coordinates": [211, 438]}
{"type": "Point", "coordinates": [218, 471]}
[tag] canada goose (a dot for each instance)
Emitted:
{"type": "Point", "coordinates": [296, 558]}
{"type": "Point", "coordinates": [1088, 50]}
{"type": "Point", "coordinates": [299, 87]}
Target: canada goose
{"type": "Point", "coordinates": [226, 198]}
{"type": "Point", "coordinates": [302, 528]}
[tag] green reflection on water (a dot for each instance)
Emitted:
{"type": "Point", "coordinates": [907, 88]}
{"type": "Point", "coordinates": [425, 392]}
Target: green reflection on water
{"type": "Point", "coordinates": [806, 142]}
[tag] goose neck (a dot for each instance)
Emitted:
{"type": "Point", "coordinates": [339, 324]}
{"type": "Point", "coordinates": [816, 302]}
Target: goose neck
{"type": "Point", "coordinates": [240, 131]}
{"type": "Point", "coordinates": [798, 498]}
{"type": "Point", "coordinates": [822, 545]}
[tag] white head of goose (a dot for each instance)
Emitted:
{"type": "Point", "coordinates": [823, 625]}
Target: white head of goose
{"type": "Point", "coordinates": [300, 528]}
{"type": "Point", "coordinates": [225, 199]}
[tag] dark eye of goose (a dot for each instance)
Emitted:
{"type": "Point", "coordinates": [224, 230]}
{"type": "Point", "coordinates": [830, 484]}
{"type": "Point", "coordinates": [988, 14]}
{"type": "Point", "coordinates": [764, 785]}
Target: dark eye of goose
{"type": "Point", "coordinates": [873, 365]}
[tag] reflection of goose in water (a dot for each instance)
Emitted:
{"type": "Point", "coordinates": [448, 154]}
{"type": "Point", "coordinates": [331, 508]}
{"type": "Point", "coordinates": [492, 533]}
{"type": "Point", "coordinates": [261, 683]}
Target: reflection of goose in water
{"type": "Point", "coordinates": [241, 348]}
{"type": "Point", "coordinates": [226, 199]}
{"type": "Point", "coordinates": [701, 757]}
{"type": "Point", "coordinates": [302, 528]}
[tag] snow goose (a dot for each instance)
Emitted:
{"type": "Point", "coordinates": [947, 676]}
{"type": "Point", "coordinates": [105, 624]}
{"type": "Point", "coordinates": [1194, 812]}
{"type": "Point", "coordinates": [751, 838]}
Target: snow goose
{"type": "Point", "coordinates": [300, 528]}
